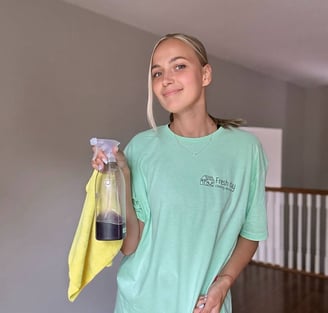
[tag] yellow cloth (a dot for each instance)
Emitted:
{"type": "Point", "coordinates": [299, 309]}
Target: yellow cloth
{"type": "Point", "coordinates": [88, 256]}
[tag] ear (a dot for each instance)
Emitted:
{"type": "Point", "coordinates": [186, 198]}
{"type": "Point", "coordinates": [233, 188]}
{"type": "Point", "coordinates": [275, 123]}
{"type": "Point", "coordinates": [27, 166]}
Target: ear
{"type": "Point", "coordinates": [207, 75]}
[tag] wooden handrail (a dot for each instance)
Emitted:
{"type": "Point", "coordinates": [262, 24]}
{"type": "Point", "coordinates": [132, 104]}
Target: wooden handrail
{"type": "Point", "coordinates": [298, 190]}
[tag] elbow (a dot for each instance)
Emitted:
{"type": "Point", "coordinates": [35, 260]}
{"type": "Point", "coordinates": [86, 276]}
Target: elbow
{"type": "Point", "coordinates": [127, 251]}
{"type": "Point", "coordinates": [129, 247]}
{"type": "Point", "coordinates": [132, 239]}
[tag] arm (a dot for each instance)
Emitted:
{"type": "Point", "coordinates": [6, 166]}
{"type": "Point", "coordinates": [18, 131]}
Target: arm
{"type": "Point", "coordinates": [134, 227]}
{"type": "Point", "coordinates": [239, 259]}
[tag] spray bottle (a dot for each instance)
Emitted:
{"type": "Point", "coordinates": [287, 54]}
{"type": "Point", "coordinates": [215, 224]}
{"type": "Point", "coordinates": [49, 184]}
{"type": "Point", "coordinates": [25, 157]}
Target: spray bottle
{"type": "Point", "coordinates": [110, 195]}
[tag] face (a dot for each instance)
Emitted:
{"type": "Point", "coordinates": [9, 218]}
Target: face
{"type": "Point", "coordinates": [178, 78]}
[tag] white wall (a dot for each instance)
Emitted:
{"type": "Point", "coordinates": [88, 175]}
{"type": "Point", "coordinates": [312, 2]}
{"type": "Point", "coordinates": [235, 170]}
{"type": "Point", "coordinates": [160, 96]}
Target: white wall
{"type": "Point", "coordinates": [271, 140]}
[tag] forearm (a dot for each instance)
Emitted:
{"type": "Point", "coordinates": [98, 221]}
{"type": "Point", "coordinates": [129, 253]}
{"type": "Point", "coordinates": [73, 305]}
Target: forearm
{"type": "Point", "coordinates": [217, 292]}
{"type": "Point", "coordinates": [133, 225]}
{"type": "Point", "coordinates": [239, 259]}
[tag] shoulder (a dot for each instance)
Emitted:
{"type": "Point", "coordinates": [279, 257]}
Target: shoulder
{"type": "Point", "coordinates": [148, 135]}
{"type": "Point", "coordinates": [145, 140]}
{"type": "Point", "coordinates": [251, 145]}
{"type": "Point", "coordinates": [241, 143]}
{"type": "Point", "coordinates": [240, 136]}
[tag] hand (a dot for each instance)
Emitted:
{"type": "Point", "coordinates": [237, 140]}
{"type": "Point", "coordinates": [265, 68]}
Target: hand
{"type": "Point", "coordinates": [100, 159]}
{"type": "Point", "coordinates": [212, 302]}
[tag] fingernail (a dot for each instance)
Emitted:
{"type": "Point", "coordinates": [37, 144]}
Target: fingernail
{"type": "Point", "coordinates": [104, 160]}
{"type": "Point", "coordinates": [100, 167]}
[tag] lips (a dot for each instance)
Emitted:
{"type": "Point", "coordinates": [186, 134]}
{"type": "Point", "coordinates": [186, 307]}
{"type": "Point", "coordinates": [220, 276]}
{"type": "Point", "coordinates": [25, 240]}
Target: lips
{"type": "Point", "coordinates": [171, 92]}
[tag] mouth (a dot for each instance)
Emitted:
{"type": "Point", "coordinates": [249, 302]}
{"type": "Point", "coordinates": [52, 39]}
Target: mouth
{"type": "Point", "coordinates": [171, 92]}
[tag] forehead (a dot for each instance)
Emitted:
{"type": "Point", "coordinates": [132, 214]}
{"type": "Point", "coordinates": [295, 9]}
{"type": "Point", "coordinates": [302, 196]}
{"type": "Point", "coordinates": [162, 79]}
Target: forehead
{"type": "Point", "coordinates": [171, 48]}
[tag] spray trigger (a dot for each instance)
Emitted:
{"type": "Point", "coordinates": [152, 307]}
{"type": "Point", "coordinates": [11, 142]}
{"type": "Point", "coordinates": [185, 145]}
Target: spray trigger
{"type": "Point", "coordinates": [106, 145]}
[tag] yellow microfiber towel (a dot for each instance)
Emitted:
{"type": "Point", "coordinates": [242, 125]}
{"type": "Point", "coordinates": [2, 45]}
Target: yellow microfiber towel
{"type": "Point", "coordinates": [88, 256]}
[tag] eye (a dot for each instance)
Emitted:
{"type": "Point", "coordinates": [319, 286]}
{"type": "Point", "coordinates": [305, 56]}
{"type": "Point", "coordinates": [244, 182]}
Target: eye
{"type": "Point", "coordinates": [180, 66]}
{"type": "Point", "coordinates": [156, 74]}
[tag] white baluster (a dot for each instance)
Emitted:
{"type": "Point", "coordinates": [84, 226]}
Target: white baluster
{"type": "Point", "coordinates": [317, 234]}
{"type": "Point", "coordinates": [281, 239]}
{"type": "Point", "coordinates": [276, 229]}
{"type": "Point", "coordinates": [256, 255]}
{"type": "Point", "coordinates": [299, 232]}
{"type": "Point", "coordinates": [271, 228]}
{"type": "Point", "coordinates": [308, 234]}
{"type": "Point", "coordinates": [290, 248]}
{"type": "Point", "coordinates": [262, 251]}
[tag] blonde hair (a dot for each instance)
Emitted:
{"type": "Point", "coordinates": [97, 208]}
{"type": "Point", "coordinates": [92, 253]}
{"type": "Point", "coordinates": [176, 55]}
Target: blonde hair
{"type": "Point", "coordinates": [201, 54]}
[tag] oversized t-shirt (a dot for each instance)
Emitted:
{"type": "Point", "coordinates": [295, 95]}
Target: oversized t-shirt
{"type": "Point", "coordinates": [195, 196]}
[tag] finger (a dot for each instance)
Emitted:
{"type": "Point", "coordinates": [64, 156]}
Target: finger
{"type": "Point", "coordinates": [95, 152]}
{"type": "Point", "coordinates": [206, 307]}
{"type": "Point", "coordinates": [99, 162]}
{"type": "Point", "coordinates": [198, 310]}
{"type": "Point", "coordinates": [119, 155]}
{"type": "Point", "coordinates": [98, 154]}
{"type": "Point", "coordinates": [210, 307]}
{"type": "Point", "coordinates": [97, 165]}
{"type": "Point", "coordinates": [120, 159]}
{"type": "Point", "coordinates": [201, 302]}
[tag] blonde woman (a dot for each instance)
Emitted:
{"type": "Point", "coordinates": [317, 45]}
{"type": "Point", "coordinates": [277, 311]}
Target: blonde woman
{"type": "Point", "coordinates": [196, 206]}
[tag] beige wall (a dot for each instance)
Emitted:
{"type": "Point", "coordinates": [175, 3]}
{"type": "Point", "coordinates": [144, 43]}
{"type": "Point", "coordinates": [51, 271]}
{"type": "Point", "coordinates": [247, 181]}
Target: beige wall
{"type": "Point", "coordinates": [67, 75]}
{"type": "Point", "coordinates": [315, 166]}
{"type": "Point", "coordinates": [293, 145]}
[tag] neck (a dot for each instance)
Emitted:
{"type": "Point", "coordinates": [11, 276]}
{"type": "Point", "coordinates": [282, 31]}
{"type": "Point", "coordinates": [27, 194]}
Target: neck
{"type": "Point", "coordinates": [196, 126]}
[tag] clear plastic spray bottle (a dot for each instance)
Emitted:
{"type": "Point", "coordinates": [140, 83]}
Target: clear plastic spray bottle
{"type": "Point", "coordinates": [110, 195]}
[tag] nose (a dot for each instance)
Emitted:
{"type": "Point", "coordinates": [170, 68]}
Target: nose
{"type": "Point", "coordinates": [167, 78]}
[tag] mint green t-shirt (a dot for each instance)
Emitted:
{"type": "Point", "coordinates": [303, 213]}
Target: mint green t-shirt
{"type": "Point", "coordinates": [195, 197]}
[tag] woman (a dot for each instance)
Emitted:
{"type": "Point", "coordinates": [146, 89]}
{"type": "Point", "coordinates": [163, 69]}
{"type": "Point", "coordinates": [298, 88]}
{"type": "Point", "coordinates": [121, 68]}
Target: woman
{"type": "Point", "coordinates": [196, 207]}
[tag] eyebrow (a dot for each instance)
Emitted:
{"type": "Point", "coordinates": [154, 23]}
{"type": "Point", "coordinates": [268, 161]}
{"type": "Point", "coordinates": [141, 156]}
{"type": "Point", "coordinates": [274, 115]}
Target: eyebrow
{"type": "Point", "coordinates": [171, 61]}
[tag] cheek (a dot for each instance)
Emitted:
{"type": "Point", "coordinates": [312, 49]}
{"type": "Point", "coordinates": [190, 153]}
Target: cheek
{"type": "Point", "coordinates": [155, 88]}
{"type": "Point", "coordinates": [191, 79]}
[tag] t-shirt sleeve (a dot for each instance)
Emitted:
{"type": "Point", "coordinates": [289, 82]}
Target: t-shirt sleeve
{"type": "Point", "coordinates": [255, 226]}
{"type": "Point", "coordinates": [138, 187]}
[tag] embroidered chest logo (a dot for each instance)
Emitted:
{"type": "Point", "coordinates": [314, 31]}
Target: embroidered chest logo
{"type": "Point", "coordinates": [217, 182]}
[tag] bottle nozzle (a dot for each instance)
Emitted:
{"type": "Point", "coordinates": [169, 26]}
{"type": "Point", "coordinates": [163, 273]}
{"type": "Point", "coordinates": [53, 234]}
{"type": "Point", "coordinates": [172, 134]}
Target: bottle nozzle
{"type": "Point", "coordinates": [105, 145]}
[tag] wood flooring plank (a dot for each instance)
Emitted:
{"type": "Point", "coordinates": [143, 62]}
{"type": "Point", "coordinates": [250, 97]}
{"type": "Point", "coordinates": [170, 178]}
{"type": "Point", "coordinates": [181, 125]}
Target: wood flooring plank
{"type": "Point", "coordinates": [270, 290]}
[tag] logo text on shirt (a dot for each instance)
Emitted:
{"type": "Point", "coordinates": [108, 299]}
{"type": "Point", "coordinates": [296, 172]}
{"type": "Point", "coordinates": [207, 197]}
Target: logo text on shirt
{"type": "Point", "coordinates": [210, 181]}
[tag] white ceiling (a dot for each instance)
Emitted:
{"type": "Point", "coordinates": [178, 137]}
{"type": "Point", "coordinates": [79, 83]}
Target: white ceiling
{"type": "Point", "coordinates": [284, 38]}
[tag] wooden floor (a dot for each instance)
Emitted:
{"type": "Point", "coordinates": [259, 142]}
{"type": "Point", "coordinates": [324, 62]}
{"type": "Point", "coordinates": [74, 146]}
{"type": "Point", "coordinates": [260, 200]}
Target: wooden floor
{"type": "Point", "coordinates": [262, 289]}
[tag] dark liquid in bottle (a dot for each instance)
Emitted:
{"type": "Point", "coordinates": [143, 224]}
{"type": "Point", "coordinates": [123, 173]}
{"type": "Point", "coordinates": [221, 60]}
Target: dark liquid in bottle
{"type": "Point", "coordinates": [110, 229]}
